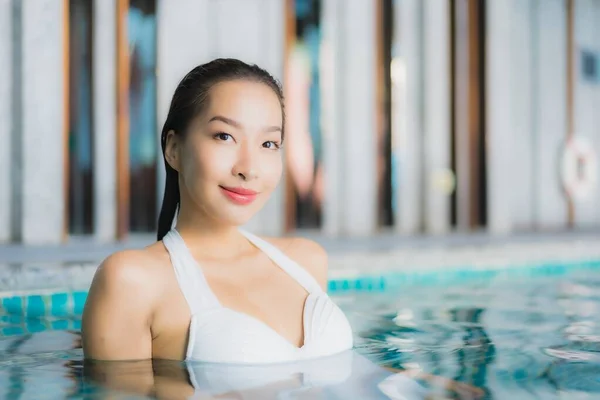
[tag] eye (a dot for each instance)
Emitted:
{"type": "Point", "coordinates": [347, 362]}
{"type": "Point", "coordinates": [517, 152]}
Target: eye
{"type": "Point", "coordinates": [271, 145]}
{"type": "Point", "coordinates": [223, 136]}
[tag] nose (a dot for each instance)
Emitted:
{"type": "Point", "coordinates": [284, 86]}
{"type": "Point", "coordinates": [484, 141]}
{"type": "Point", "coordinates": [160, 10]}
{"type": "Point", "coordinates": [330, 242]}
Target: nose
{"type": "Point", "coordinates": [245, 166]}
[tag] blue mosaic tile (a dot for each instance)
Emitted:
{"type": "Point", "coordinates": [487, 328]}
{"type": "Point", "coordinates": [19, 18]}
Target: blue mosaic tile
{"type": "Point", "coordinates": [358, 285]}
{"type": "Point", "coordinates": [79, 302]}
{"type": "Point", "coordinates": [591, 264]}
{"type": "Point", "coordinates": [332, 285]}
{"type": "Point", "coordinates": [14, 319]}
{"type": "Point", "coordinates": [368, 283]}
{"type": "Point", "coordinates": [35, 306]}
{"type": "Point", "coordinates": [61, 324]}
{"type": "Point", "coordinates": [58, 304]}
{"type": "Point", "coordinates": [12, 330]}
{"type": "Point", "coordinates": [62, 304]}
{"type": "Point", "coordinates": [13, 305]}
{"type": "Point", "coordinates": [34, 326]}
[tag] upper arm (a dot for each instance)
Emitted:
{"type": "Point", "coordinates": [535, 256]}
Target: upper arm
{"type": "Point", "coordinates": [310, 255]}
{"type": "Point", "coordinates": [116, 317]}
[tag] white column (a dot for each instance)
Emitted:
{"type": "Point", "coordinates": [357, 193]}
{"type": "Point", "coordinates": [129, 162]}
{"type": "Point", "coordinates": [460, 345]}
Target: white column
{"type": "Point", "coordinates": [436, 127]}
{"type": "Point", "coordinates": [356, 127]}
{"type": "Point", "coordinates": [239, 28]}
{"type": "Point", "coordinates": [407, 114]}
{"type": "Point", "coordinates": [105, 130]}
{"type": "Point", "coordinates": [499, 116]}
{"type": "Point", "coordinates": [43, 130]}
{"type": "Point", "coordinates": [522, 69]}
{"type": "Point", "coordinates": [331, 114]}
{"type": "Point", "coordinates": [6, 89]}
{"type": "Point", "coordinates": [550, 111]}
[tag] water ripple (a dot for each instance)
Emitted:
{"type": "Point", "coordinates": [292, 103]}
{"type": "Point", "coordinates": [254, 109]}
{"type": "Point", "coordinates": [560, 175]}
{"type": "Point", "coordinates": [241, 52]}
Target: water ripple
{"type": "Point", "coordinates": [520, 339]}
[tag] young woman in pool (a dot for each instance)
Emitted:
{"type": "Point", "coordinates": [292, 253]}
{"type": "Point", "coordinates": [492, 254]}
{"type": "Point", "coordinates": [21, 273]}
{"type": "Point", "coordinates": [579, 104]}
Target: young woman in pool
{"type": "Point", "coordinates": [208, 290]}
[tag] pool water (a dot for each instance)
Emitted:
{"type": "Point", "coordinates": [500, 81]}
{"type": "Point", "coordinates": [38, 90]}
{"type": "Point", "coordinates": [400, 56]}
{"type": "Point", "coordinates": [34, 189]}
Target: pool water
{"type": "Point", "coordinates": [514, 338]}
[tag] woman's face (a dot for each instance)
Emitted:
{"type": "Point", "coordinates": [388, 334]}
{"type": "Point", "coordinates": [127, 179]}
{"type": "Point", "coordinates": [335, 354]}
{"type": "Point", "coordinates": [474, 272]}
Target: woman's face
{"type": "Point", "coordinates": [230, 160]}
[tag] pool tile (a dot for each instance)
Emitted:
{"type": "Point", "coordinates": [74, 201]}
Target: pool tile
{"type": "Point", "coordinates": [35, 306]}
{"type": "Point", "coordinates": [13, 305]}
{"type": "Point", "coordinates": [59, 303]}
{"type": "Point", "coordinates": [61, 324]}
{"type": "Point", "coordinates": [34, 325]}
{"type": "Point", "coordinates": [332, 285]}
{"type": "Point", "coordinates": [79, 301]}
{"type": "Point", "coordinates": [12, 331]}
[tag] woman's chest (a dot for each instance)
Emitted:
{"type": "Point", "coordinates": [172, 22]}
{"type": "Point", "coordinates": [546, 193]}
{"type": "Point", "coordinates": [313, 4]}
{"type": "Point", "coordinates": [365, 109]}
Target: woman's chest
{"type": "Point", "coordinates": [274, 302]}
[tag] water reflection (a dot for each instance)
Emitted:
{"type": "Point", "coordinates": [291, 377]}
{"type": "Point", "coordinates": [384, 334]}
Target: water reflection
{"type": "Point", "coordinates": [347, 375]}
{"type": "Point", "coordinates": [537, 339]}
{"type": "Point", "coordinates": [50, 364]}
{"type": "Point", "coordinates": [477, 351]}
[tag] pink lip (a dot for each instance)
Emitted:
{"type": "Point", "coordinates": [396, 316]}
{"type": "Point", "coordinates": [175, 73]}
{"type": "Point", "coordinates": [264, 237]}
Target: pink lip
{"type": "Point", "coordinates": [239, 195]}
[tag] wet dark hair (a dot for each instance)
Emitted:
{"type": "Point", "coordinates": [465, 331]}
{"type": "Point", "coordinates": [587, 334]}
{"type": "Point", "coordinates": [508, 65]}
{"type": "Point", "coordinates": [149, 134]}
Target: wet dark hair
{"type": "Point", "coordinates": [189, 100]}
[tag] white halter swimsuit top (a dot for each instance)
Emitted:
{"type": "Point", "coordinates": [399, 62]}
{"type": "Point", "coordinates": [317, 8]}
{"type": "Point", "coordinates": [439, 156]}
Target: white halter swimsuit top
{"type": "Point", "coordinates": [218, 334]}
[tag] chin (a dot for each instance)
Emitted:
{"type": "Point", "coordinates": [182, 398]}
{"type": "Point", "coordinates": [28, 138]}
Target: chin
{"type": "Point", "coordinates": [236, 216]}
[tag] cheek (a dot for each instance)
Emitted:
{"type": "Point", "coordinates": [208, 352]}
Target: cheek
{"type": "Point", "coordinates": [215, 162]}
{"type": "Point", "coordinates": [201, 166]}
{"type": "Point", "coordinates": [273, 172]}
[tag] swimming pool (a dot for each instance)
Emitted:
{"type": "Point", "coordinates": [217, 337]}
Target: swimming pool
{"type": "Point", "coordinates": [515, 333]}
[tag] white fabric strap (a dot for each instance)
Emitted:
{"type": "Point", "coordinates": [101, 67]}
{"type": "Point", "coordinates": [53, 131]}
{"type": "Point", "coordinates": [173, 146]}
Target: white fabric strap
{"type": "Point", "coordinates": [301, 275]}
{"type": "Point", "coordinates": [191, 280]}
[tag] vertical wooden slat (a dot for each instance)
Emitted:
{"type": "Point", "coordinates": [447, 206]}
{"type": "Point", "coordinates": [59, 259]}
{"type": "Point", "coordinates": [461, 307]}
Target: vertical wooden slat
{"type": "Point", "coordinates": [378, 82]}
{"type": "Point", "coordinates": [468, 111]}
{"type": "Point", "coordinates": [382, 80]}
{"type": "Point", "coordinates": [290, 39]}
{"type": "Point", "coordinates": [461, 111]}
{"type": "Point", "coordinates": [66, 117]}
{"type": "Point", "coordinates": [475, 122]}
{"type": "Point", "coordinates": [570, 98]}
{"type": "Point", "coordinates": [122, 177]}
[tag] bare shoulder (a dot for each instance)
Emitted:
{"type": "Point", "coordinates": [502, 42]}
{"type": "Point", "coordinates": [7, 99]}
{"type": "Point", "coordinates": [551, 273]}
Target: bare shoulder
{"type": "Point", "coordinates": [307, 253]}
{"type": "Point", "coordinates": [117, 316]}
{"type": "Point", "coordinates": [134, 274]}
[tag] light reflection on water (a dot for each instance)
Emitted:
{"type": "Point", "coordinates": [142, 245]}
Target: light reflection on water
{"type": "Point", "coordinates": [528, 339]}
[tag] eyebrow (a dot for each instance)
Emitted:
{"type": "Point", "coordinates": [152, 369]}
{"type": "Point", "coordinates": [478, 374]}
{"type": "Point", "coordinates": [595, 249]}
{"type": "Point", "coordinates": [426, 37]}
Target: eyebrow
{"type": "Point", "coordinates": [236, 124]}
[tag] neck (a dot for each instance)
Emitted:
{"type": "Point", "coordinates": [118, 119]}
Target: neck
{"type": "Point", "coordinates": [216, 240]}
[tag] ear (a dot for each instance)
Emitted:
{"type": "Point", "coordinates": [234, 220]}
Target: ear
{"type": "Point", "coordinates": [172, 150]}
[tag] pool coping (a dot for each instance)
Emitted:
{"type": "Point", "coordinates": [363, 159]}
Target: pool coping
{"type": "Point", "coordinates": [398, 265]}
{"type": "Point", "coordinates": [89, 249]}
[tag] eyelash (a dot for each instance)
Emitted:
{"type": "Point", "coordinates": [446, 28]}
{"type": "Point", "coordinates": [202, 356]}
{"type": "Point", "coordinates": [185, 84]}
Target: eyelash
{"type": "Point", "coordinates": [219, 136]}
{"type": "Point", "coordinates": [277, 145]}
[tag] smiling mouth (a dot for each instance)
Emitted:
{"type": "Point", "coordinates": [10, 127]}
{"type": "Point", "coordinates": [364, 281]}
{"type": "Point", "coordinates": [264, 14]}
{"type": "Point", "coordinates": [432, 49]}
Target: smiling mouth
{"type": "Point", "coordinates": [239, 196]}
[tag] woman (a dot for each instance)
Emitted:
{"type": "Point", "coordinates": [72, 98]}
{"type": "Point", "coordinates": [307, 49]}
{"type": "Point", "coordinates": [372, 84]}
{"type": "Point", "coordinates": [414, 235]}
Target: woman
{"type": "Point", "coordinates": [208, 290]}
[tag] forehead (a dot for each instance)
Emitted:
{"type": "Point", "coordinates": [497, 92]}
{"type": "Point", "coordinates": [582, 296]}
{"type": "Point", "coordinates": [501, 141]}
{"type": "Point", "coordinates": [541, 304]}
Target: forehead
{"type": "Point", "coordinates": [248, 102]}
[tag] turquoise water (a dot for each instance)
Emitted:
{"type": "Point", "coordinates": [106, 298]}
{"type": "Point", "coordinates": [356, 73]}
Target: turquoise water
{"type": "Point", "coordinates": [510, 335]}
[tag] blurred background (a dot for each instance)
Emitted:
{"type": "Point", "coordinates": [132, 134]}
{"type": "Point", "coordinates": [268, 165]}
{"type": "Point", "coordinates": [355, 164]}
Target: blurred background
{"type": "Point", "coordinates": [415, 117]}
